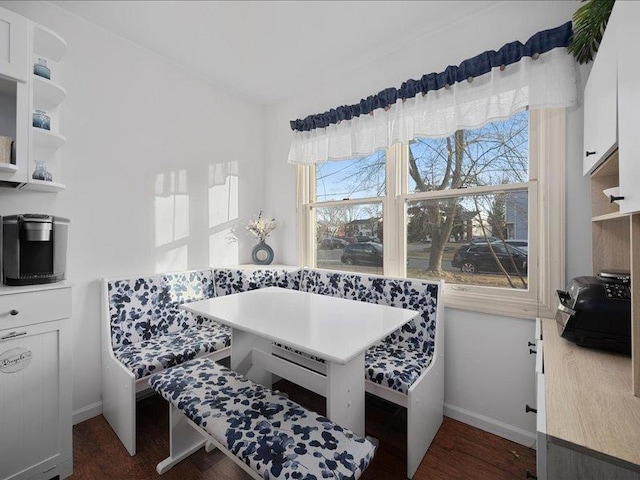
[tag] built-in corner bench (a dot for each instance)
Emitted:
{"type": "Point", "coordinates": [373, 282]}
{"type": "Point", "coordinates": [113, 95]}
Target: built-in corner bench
{"type": "Point", "coordinates": [405, 368]}
{"type": "Point", "coordinates": [144, 332]}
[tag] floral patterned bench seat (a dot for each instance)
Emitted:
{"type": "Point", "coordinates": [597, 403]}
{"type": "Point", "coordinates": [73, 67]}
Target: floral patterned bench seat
{"type": "Point", "coordinates": [274, 436]}
{"type": "Point", "coordinates": [148, 330]}
{"type": "Point", "coordinates": [149, 356]}
{"type": "Point", "coordinates": [145, 332]}
{"type": "Point", "coordinates": [398, 360]}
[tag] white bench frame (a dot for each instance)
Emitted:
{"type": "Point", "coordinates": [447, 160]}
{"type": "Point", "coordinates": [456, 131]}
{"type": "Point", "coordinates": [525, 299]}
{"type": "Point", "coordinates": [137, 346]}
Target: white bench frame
{"type": "Point", "coordinates": [186, 438]}
{"type": "Point", "coordinates": [119, 385]}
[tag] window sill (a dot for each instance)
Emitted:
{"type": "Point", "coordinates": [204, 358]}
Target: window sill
{"type": "Point", "coordinates": [496, 304]}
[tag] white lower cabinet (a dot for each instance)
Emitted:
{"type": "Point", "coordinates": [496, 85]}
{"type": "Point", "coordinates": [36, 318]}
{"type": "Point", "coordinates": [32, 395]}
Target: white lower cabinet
{"type": "Point", "coordinates": [35, 385]}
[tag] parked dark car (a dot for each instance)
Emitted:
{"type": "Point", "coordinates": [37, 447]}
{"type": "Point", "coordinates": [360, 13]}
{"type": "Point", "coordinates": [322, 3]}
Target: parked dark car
{"type": "Point", "coordinates": [474, 258]}
{"type": "Point", "coordinates": [364, 239]}
{"type": "Point", "coordinates": [482, 239]}
{"type": "Point", "coordinates": [331, 243]}
{"type": "Point", "coordinates": [348, 239]}
{"type": "Point", "coordinates": [521, 244]}
{"type": "Point", "coordinates": [368, 253]}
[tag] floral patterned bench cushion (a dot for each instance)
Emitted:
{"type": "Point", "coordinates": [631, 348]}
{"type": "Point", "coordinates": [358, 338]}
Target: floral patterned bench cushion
{"type": "Point", "coordinates": [274, 436]}
{"type": "Point", "coordinates": [419, 333]}
{"type": "Point", "coordinates": [394, 366]}
{"type": "Point", "coordinates": [228, 281]}
{"type": "Point", "coordinates": [401, 357]}
{"type": "Point", "coordinates": [151, 356]}
{"type": "Point", "coordinates": [144, 308]}
{"type": "Point", "coordinates": [418, 295]}
{"type": "Point", "coordinates": [335, 284]}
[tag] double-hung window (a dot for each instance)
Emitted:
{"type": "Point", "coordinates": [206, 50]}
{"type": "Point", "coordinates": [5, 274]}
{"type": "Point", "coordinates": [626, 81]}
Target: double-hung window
{"type": "Point", "coordinates": [482, 209]}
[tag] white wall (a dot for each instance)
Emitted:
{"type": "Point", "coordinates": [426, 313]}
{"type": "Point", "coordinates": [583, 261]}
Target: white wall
{"type": "Point", "coordinates": [489, 372]}
{"type": "Point", "coordinates": [158, 166]}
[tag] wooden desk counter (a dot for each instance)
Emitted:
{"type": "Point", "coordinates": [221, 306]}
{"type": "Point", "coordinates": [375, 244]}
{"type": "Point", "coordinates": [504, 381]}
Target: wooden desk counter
{"type": "Point", "coordinates": [589, 399]}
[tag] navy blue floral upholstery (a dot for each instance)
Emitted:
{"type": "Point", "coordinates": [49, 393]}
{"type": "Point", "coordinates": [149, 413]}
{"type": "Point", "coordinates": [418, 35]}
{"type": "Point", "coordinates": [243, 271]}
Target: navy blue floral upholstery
{"type": "Point", "coordinates": [420, 332]}
{"type": "Point", "coordinates": [149, 331]}
{"type": "Point", "coordinates": [229, 281]}
{"type": "Point", "coordinates": [394, 366]}
{"type": "Point", "coordinates": [400, 358]}
{"type": "Point", "coordinates": [335, 284]}
{"type": "Point", "coordinates": [150, 356]}
{"type": "Point", "coordinates": [274, 436]}
{"type": "Point", "coordinates": [143, 308]}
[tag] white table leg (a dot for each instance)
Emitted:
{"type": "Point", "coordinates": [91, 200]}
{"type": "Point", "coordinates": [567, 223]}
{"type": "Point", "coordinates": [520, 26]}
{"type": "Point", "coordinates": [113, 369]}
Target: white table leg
{"type": "Point", "coordinates": [345, 394]}
{"type": "Point", "coordinates": [241, 356]}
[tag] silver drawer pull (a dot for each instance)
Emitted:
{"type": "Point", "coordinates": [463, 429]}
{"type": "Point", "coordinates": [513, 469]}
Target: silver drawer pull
{"type": "Point", "coordinates": [13, 312]}
{"type": "Point", "coordinates": [13, 335]}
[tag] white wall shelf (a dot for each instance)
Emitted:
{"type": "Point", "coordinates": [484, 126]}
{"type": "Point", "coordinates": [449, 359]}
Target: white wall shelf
{"type": "Point", "coordinates": [47, 138]}
{"type": "Point", "coordinates": [46, 93]}
{"type": "Point", "coordinates": [42, 186]}
{"type": "Point", "coordinates": [8, 167]}
{"type": "Point", "coordinates": [48, 44]}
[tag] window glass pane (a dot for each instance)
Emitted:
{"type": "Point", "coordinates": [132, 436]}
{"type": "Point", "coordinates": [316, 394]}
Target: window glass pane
{"type": "Point", "coordinates": [356, 178]}
{"type": "Point", "coordinates": [349, 238]}
{"type": "Point", "coordinates": [470, 239]}
{"type": "Point", "coordinates": [494, 154]}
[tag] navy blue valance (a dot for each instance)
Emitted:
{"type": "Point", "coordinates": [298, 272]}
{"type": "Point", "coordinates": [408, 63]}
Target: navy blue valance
{"type": "Point", "coordinates": [510, 53]}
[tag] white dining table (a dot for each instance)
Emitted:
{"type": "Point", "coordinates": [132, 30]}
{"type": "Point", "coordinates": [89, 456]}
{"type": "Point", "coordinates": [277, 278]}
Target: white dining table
{"type": "Point", "coordinates": [334, 329]}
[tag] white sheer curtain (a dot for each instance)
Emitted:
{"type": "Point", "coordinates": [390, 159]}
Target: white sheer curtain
{"type": "Point", "coordinates": [548, 81]}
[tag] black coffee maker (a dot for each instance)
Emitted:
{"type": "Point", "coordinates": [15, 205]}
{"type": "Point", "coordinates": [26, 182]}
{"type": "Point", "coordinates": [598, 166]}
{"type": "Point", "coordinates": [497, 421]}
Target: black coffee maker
{"type": "Point", "coordinates": [34, 249]}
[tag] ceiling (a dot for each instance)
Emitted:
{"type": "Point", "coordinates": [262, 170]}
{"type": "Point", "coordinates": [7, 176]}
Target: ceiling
{"type": "Point", "coordinates": [269, 50]}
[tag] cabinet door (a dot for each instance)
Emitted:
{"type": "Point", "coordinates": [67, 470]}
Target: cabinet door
{"type": "Point", "coordinates": [30, 407]}
{"type": "Point", "coordinates": [15, 123]}
{"type": "Point", "coordinates": [14, 54]}
{"type": "Point", "coordinates": [600, 101]}
{"type": "Point", "coordinates": [629, 106]}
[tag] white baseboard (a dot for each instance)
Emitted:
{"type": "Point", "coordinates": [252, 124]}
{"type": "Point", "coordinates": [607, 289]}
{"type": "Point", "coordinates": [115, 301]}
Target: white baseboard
{"type": "Point", "coordinates": [85, 413]}
{"type": "Point", "coordinates": [504, 430]}
{"type": "Point", "coordinates": [491, 425]}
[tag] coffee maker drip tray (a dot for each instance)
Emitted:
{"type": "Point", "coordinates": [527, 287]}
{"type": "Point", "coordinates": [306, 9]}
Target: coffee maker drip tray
{"type": "Point", "coordinates": [33, 279]}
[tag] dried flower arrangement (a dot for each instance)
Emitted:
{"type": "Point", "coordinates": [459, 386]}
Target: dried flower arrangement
{"type": "Point", "coordinates": [261, 227]}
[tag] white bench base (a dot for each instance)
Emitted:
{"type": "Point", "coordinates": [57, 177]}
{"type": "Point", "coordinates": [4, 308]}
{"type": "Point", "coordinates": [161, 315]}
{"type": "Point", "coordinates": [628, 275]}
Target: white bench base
{"type": "Point", "coordinates": [186, 438]}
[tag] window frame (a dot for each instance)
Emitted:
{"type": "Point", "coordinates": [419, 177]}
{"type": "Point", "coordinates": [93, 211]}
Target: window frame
{"type": "Point", "coordinates": [546, 197]}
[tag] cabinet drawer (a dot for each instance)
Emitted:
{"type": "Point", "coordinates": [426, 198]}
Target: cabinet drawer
{"type": "Point", "coordinates": [34, 307]}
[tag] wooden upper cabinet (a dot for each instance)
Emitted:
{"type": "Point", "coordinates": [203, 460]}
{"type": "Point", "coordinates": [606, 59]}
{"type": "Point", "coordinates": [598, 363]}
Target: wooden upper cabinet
{"type": "Point", "coordinates": [600, 101]}
{"type": "Point", "coordinates": [14, 50]}
{"type": "Point", "coordinates": [629, 105]}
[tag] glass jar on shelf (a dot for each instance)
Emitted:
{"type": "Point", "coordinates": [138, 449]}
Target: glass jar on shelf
{"type": "Point", "coordinates": [41, 120]}
{"type": "Point", "coordinates": [41, 172]}
{"type": "Point", "coordinates": [40, 69]}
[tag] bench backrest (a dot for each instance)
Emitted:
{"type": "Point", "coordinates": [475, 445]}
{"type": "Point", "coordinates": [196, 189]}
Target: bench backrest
{"type": "Point", "coordinates": [145, 307]}
{"type": "Point", "coordinates": [229, 280]}
{"type": "Point", "coordinates": [418, 295]}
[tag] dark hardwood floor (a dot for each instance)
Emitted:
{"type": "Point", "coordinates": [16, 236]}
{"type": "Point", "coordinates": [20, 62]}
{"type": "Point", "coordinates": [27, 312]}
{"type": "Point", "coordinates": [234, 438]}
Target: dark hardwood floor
{"type": "Point", "coordinates": [458, 451]}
